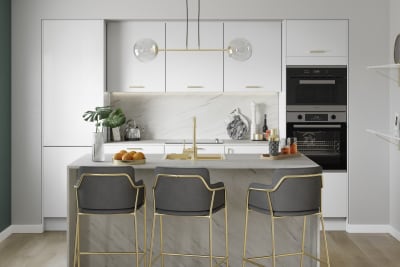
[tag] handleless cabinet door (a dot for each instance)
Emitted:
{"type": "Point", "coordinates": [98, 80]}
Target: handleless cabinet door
{"type": "Point", "coordinates": [194, 71]}
{"type": "Point", "coordinates": [55, 178]}
{"type": "Point", "coordinates": [334, 195]}
{"type": "Point", "coordinates": [262, 71]}
{"type": "Point", "coordinates": [72, 79]}
{"type": "Point", "coordinates": [124, 71]}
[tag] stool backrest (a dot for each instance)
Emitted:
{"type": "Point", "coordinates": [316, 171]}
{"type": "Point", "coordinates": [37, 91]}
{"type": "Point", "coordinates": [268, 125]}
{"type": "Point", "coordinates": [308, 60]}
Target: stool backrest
{"type": "Point", "coordinates": [182, 189]}
{"type": "Point", "coordinates": [107, 188]}
{"type": "Point", "coordinates": [299, 190]}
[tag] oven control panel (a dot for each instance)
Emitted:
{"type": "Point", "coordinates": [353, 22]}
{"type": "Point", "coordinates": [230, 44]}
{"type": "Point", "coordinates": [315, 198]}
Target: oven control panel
{"type": "Point", "coordinates": [316, 116]}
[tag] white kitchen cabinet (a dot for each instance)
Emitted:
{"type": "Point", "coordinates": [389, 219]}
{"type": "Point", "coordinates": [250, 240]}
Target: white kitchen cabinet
{"type": "Point", "coordinates": [194, 71]}
{"type": "Point", "coordinates": [124, 71]}
{"type": "Point", "coordinates": [316, 41]}
{"type": "Point", "coordinates": [201, 148]}
{"type": "Point", "coordinates": [334, 194]}
{"type": "Point", "coordinates": [261, 148]}
{"type": "Point", "coordinates": [262, 71]}
{"type": "Point", "coordinates": [146, 148]}
{"type": "Point", "coordinates": [55, 178]}
{"type": "Point", "coordinates": [72, 79]}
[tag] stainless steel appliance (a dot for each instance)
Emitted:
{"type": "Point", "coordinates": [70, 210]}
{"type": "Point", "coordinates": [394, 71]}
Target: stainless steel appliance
{"type": "Point", "coordinates": [321, 136]}
{"type": "Point", "coordinates": [316, 88]}
{"type": "Point", "coordinates": [316, 98]}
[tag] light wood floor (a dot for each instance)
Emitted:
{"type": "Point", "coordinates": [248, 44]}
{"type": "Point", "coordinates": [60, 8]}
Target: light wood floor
{"type": "Point", "coordinates": [345, 250]}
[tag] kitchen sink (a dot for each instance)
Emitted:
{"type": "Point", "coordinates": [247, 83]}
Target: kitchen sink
{"type": "Point", "coordinates": [182, 156]}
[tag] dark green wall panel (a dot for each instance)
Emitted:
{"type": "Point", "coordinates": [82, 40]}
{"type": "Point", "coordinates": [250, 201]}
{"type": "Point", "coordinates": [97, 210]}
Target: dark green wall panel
{"type": "Point", "coordinates": [5, 114]}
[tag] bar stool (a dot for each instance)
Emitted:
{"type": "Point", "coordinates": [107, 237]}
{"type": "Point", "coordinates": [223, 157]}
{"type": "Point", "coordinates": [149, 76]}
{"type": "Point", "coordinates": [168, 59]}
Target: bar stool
{"type": "Point", "coordinates": [293, 192]}
{"type": "Point", "coordinates": [187, 192]}
{"type": "Point", "coordinates": [109, 191]}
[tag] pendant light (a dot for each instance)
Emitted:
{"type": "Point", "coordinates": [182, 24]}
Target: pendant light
{"type": "Point", "coordinates": [147, 49]}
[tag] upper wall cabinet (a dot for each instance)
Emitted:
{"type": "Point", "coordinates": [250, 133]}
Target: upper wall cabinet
{"type": "Point", "coordinates": [262, 71]}
{"type": "Point", "coordinates": [316, 42]}
{"type": "Point", "coordinates": [194, 71]}
{"type": "Point", "coordinates": [124, 71]}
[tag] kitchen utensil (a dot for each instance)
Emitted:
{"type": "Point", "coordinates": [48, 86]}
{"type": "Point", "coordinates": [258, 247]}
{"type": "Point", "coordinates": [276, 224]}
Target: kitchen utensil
{"type": "Point", "coordinates": [132, 131]}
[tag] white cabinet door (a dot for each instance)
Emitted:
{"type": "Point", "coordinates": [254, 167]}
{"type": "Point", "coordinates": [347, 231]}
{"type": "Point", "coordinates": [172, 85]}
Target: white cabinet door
{"type": "Point", "coordinates": [247, 149]}
{"type": "Point", "coordinates": [55, 161]}
{"type": "Point", "coordinates": [334, 195]}
{"type": "Point", "coordinates": [124, 71]}
{"type": "Point", "coordinates": [191, 71]}
{"type": "Point", "coordinates": [262, 71]}
{"type": "Point", "coordinates": [111, 148]}
{"type": "Point", "coordinates": [72, 79]}
{"type": "Point", "coordinates": [317, 38]}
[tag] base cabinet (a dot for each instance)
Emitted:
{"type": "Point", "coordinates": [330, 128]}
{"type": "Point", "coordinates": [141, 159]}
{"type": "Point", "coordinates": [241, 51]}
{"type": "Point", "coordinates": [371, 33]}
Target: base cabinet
{"type": "Point", "coordinates": [334, 194]}
{"type": "Point", "coordinates": [55, 178]}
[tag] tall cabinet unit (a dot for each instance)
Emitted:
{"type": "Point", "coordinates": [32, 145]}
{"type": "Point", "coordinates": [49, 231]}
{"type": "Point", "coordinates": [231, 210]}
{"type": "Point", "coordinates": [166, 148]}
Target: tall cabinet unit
{"type": "Point", "coordinates": [124, 71]}
{"type": "Point", "coordinates": [73, 78]}
{"type": "Point", "coordinates": [262, 71]}
{"type": "Point", "coordinates": [322, 42]}
{"type": "Point", "coordinates": [194, 71]}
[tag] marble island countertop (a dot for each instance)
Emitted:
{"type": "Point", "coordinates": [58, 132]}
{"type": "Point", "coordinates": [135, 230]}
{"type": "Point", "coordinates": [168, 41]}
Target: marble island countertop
{"type": "Point", "coordinates": [236, 161]}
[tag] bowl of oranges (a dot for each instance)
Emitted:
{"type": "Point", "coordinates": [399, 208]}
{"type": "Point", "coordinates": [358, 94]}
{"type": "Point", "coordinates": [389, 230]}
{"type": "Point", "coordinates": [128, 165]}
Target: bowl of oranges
{"type": "Point", "coordinates": [124, 157]}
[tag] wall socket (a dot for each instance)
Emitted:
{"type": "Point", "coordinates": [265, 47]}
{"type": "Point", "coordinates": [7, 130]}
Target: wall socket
{"type": "Point", "coordinates": [396, 125]}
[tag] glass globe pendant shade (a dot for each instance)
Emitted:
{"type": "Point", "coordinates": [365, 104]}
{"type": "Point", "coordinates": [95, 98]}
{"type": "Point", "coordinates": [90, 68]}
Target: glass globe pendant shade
{"type": "Point", "coordinates": [145, 50]}
{"type": "Point", "coordinates": [240, 49]}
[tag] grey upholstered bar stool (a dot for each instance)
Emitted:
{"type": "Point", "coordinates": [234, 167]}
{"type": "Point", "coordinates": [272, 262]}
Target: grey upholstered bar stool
{"type": "Point", "coordinates": [187, 192]}
{"type": "Point", "coordinates": [293, 192]}
{"type": "Point", "coordinates": [110, 191]}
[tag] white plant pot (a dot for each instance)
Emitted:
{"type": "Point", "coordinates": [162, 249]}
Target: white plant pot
{"type": "Point", "coordinates": [98, 147]}
{"type": "Point", "coordinates": [116, 134]}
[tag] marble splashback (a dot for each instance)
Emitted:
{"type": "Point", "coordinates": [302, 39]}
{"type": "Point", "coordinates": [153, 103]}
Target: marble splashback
{"type": "Point", "coordinates": [170, 116]}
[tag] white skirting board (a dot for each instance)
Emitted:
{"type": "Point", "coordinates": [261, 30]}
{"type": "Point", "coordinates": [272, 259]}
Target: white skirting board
{"type": "Point", "coordinates": [5, 233]}
{"type": "Point", "coordinates": [60, 224]}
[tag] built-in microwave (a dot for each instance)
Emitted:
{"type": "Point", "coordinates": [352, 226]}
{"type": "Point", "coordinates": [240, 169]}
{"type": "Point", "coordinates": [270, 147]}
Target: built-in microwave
{"type": "Point", "coordinates": [315, 88]}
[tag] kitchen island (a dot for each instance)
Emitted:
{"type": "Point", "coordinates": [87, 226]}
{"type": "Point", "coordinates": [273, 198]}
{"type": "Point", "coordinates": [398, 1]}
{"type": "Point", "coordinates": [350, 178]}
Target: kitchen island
{"type": "Point", "coordinates": [188, 234]}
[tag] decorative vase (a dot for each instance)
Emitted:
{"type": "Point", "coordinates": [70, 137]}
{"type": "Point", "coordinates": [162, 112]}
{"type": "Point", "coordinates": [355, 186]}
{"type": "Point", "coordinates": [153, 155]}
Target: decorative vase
{"type": "Point", "coordinates": [98, 147]}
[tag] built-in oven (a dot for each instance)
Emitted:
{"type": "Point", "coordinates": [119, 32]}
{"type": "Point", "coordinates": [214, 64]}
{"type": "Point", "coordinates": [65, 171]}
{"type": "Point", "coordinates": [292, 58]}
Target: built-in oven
{"type": "Point", "coordinates": [314, 88]}
{"type": "Point", "coordinates": [321, 136]}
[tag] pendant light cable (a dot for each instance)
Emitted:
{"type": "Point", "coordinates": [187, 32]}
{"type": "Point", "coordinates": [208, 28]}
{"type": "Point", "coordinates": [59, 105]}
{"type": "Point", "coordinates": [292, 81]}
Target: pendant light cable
{"type": "Point", "coordinates": [198, 24]}
{"type": "Point", "coordinates": [187, 23]}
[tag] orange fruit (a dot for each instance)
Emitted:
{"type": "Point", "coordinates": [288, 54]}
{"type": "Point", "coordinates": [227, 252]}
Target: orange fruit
{"type": "Point", "coordinates": [123, 151]}
{"type": "Point", "coordinates": [127, 156]}
{"type": "Point", "coordinates": [132, 152]}
{"type": "Point", "coordinates": [138, 156]}
{"type": "Point", "coordinates": [118, 156]}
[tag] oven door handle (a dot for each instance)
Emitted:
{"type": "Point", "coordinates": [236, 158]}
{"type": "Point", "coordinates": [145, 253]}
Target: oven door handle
{"type": "Point", "coordinates": [332, 126]}
{"type": "Point", "coordinates": [317, 82]}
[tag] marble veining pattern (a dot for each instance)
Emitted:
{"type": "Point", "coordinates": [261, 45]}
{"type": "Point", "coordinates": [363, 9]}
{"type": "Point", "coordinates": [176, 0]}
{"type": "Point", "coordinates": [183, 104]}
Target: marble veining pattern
{"type": "Point", "coordinates": [191, 235]}
{"type": "Point", "coordinates": [170, 116]}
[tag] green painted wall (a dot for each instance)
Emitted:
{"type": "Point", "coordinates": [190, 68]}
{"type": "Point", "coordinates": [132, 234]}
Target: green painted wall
{"type": "Point", "coordinates": [5, 114]}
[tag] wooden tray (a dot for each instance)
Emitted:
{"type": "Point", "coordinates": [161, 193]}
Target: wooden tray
{"type": "Point", "coordinates": [280, 156]}
{"type": "Point", "coordinates": [129, 162]}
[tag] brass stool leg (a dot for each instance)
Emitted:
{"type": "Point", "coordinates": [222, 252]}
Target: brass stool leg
{"type": "Point", "coordinates": [326, 243]}
{"type": "Point", "coordinates": [79, 241]}
{"type": "Point", "coordinates": [136, 239]}
{"type": "Point", "coordinates": [76, 240]}
{"type": "Point", "coordinates": [303, 240]}
{"type": "Point", "coordinates": [245, 231]}
{"type": "Point", "coordinates": [161, 242]}
{"type": "Point", "coordinates": [226, 234]}
{"type": "Point", "coordinates": [144, 236]}
{"type": "Point", "coordinates": [210, 240]}
{"type": "Point", "coordinates": [152, 239]}
{"type": "Point", "coordinates": [273, 239]}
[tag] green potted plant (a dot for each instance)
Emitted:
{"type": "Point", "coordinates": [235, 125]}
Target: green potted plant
{"type": "Point", "coordinates": [104, 117]}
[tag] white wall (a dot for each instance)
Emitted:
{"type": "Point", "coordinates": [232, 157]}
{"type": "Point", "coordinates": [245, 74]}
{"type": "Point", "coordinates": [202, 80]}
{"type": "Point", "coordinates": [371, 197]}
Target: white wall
{"type": "Point", "coordinates": [369, 33]}
{"type": "Point", "coordinates": [394, 91]}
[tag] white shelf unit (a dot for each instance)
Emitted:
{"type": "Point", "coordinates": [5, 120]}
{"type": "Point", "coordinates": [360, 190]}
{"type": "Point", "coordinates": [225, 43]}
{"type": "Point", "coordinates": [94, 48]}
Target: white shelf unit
{"type": "Point", "coordinates": [388, 137]}
{"type": "Point", "coordinates": [390, 71]}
